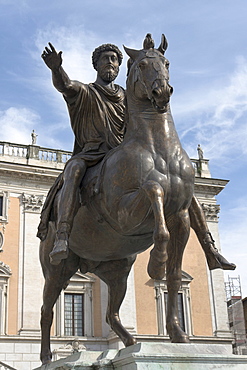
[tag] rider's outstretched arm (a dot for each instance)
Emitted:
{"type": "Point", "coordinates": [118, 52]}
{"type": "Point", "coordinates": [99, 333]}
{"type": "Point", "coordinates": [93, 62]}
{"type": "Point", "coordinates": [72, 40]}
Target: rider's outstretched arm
{"type": "Point", "coordinates": [60, 79]}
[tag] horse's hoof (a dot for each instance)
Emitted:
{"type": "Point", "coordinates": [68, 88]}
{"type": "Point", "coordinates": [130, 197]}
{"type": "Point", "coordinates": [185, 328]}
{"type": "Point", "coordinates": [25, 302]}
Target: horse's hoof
{"type": "Point", "coordinates": [130, 341]}
{"type": "Point", "coordinates": [181, 339]}
{"type": "Point", "coordinates": [216, 261]}
{"type": "Point", "coordinates": [156, 270]}
{"type": "Point", "coordinates": [157, 264]}
{"type": "Point", "coordinates": [46, 360]}
{"type": "Point", "coordinates": [176, 334]}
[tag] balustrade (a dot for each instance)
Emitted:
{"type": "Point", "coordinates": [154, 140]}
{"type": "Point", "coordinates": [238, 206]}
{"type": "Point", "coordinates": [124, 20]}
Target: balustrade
{"type": "Point", "coordinates": [33, 152]}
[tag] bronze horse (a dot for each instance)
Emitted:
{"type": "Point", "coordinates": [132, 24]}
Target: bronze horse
{"type": "Point", "coordinates": [137, 196]}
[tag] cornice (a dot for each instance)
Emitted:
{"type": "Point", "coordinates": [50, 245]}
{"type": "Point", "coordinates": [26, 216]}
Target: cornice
{"type": "Point", "coordinates": [48, 174]}
{"type": "Point", "coordinates": [27, 172]}
{"type": "Point", "coordinates": [209, 185]}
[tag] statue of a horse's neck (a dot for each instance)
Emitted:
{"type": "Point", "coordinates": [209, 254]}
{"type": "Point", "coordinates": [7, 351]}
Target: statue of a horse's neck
{"type": "Point", "coordinates": [145, 124]}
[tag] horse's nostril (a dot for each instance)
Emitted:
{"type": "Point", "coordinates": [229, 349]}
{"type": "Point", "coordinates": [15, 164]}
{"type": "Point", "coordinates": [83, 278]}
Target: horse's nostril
{"type": "Point", "coordinates": [156, 92]}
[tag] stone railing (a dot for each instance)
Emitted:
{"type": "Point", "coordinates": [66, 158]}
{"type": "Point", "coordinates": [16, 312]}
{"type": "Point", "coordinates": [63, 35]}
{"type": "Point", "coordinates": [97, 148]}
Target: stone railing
{"type": "Point", "coordinates": [16, 150]}
{"type": "Point", "coordinates": [51, 156]}
{"type": "Point", "coordinates": [33, 152]}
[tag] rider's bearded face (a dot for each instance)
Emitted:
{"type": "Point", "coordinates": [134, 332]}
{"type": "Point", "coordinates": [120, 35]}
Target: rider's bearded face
{"type": "Point", "coordinates": [108, 66]}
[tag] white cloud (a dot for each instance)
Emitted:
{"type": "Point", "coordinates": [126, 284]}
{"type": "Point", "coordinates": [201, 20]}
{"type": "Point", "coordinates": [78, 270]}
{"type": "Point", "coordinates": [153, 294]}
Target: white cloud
{"type": "Point", "coordinates": [76, 45]}
{"type": "Point", "coordinates": [17, 124]}
{"type": "Point", "coordinates": [216, 116]}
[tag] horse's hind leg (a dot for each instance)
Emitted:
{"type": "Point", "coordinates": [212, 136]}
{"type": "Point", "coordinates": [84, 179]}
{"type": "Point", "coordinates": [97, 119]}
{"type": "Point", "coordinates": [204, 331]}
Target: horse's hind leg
{"type": "Point", "coordinates": [115, 274]}
{"type": "Point", "coordinates": [56, 278]}
{"type": "Point", "coordinates": [179, 227]}
{"type": "Point", "coordinates": [50, 295]}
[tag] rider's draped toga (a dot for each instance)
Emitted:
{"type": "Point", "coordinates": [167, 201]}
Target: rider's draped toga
{"type": "Point", "coordinates": [97, 120]}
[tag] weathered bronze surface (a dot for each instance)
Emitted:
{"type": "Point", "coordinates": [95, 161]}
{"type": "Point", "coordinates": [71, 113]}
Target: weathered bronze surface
{"type": "Point", "coordinates": [135, 191]}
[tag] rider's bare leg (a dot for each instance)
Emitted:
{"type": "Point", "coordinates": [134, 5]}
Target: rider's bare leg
{"type": "Point", "coordinates": [67, 207]}
{"type": "Point", "coordinates": [199, 225]}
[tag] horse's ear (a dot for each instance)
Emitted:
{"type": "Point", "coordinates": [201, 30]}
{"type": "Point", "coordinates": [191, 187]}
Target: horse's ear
{"type": "Point", "coordinates": [148, 43]}
{"type": "Point", "coordinates": [163, 45]}
{"type": "Point", "coordinates": [133, 54]}
{"type": "Point", "coordinates": [129, 65]}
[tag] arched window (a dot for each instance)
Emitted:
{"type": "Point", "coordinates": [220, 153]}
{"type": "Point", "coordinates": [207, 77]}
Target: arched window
{"type": "Point", "coordinates": [184, 309]}
{"type": "Point", "coordinates": [5, 274]}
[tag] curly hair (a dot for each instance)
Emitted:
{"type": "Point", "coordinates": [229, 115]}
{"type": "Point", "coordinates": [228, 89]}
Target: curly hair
{"type": "Point", "coordinates": [106, 47]}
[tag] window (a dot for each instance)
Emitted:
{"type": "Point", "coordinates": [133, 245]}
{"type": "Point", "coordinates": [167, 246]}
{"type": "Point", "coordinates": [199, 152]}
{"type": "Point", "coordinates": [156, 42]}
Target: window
{"type": "Point", "coordinates": [5, 274]}
{"type": "Point", "coordinates": [3, 206]}
{"type": "Point", "coordinates": [184, 312]}
{"type": "Point", "coordinates": [74, 308]}
{"type": "Point", "coordinates": [74, 314]}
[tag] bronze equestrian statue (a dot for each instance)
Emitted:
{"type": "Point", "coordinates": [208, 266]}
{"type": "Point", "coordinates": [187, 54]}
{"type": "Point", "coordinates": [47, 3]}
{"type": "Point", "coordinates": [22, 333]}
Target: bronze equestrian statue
{"type": "Point", "coordinates": [132, 184]}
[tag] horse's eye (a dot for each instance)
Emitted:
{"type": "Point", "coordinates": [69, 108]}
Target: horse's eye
{"type": "Point", "coordinates": [167, 65]}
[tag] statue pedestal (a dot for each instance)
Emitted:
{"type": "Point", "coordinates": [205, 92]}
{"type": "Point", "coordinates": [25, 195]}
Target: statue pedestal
{"type": "Point", "coordinates": [153, 356]}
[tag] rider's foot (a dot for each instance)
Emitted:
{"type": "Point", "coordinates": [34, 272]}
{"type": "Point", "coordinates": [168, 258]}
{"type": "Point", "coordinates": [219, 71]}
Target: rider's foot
{"type": "Point", "coordinates": [61, 246]}
{"type": "Point", "coordinates": [59, 252]}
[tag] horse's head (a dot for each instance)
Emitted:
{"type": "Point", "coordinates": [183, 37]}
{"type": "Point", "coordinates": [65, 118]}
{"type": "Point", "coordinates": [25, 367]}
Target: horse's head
{"type": "Point", "coordinates": [148, 74]}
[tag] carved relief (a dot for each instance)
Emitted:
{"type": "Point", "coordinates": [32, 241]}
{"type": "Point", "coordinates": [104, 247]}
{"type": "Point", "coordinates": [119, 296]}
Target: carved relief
{"type": "Point", "coordinates": [32, 203]}
{"type": "Point", "coordinates": [211, 211]}
{"type": "Point", "coordinates": [5, 268]}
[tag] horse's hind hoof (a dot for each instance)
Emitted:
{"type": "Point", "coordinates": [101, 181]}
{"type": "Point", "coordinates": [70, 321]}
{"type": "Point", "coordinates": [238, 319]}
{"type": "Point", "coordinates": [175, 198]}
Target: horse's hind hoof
{"type": "Point", "coordinates": [176, 334]}
{"type": "Point", "coordinates": [130, 341]}
{"type": "Point", "coordinates": [181, 339]}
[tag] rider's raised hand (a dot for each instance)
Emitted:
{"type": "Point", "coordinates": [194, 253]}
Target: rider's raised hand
{"type": "Point", "coordinates": [52, 59]}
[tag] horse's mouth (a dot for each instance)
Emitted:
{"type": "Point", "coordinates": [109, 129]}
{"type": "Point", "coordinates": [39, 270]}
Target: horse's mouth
{"type": "Point", "coordinates": [160, 109]}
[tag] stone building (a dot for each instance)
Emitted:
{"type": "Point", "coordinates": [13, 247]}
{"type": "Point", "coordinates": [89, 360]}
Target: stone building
{"type": "Point", "coordinates": [26, 174]}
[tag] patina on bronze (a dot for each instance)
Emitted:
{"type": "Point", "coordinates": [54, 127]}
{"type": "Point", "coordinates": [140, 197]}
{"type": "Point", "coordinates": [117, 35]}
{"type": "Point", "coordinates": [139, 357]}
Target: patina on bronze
{"type": "Point", "coordinates": [138, 194]}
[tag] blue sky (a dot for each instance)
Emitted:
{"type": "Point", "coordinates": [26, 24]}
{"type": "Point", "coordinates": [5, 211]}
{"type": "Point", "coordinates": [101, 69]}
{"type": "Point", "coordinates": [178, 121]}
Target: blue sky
{"type": "Point", "coordinates": [208, 70]}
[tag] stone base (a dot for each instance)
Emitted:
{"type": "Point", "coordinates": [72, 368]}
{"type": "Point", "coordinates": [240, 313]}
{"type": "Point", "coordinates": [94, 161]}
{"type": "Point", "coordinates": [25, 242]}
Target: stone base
{"type": "Point", "coordinates": [153, 356]}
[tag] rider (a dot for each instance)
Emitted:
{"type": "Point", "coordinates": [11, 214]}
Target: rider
{"type": "Point", "coordinates": [96, 113]}
{"type": "Point", "coordinates": [97, 118]}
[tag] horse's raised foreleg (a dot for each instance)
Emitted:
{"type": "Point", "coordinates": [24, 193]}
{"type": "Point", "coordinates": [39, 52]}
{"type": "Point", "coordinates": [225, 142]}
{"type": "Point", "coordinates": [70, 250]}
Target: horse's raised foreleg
{"type": "Point", "coordinates": [134, 209]}
{"type": "Point", "coordinates": [115, 274]}
{"type": "Point", "coordinates": [158, 255]}
{"type": "Point", "coordinates": [179, 227]}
